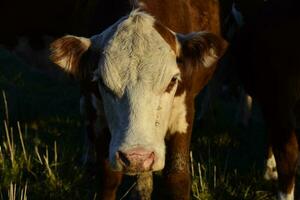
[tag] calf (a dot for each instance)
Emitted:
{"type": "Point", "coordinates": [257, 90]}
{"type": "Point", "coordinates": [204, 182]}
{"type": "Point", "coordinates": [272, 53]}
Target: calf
{"type": "Point", "coordinates": [139, 79]}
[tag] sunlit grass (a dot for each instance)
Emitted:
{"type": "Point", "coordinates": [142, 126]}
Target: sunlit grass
{"type": "Point", "coordinates": [31, 166]}
{"type": "Point", "coordinates": [226, 184]}
{"type": "Point", "coordinates": [36, 166]}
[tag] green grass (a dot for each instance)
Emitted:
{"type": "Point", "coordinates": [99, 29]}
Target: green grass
{"type": "Point", "coordinates": [41, 143]}
{"type": "Point", "coordinates": [229, 156]}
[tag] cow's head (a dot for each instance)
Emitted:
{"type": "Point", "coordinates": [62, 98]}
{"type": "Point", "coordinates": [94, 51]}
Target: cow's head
{"type": "Point", "coordinates": [138, 75]}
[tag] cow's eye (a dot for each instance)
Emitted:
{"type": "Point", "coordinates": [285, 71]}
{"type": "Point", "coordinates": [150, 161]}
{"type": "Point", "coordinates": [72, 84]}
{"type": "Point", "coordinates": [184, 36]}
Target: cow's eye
{"type": "Point", "coordinates": [172, 83]}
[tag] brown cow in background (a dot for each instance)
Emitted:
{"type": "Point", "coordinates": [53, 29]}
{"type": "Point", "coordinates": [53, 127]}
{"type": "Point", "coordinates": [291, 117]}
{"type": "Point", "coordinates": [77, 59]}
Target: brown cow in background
{"type": "Point", "coordinates": [267, 55]}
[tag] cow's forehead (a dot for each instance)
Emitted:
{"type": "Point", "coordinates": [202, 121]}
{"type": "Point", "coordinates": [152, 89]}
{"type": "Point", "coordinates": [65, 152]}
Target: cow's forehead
{"type": "Point", "coordinates": [135, 53]}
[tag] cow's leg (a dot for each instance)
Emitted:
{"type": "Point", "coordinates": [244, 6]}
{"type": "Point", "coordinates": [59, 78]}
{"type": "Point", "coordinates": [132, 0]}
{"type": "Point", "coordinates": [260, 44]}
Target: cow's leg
{"type": "Point", "coordinates": [285, 148]}
{"type": "Point", "coordinates": [271, 170]}
{"type": "Point", "coordinates": [176, 172]}
{"type": "Point", "coordinates": [286, 155]}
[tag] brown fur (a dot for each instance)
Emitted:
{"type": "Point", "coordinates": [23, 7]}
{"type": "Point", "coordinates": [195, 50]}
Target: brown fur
{"type": "Point", "coordinates": [176, 172]}
{"type": "Point", "coordinates": [71, 48]}
{"type": "Point", "coordinates": [167, 35]}
{"type": "Point", "coordinates": [185, 17]}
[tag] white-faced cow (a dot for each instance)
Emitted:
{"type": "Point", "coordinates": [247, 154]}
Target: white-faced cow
{"type": "Point", "coordinates": [267, 54]}
{"type": "Point", "coordinates": [139, 80]}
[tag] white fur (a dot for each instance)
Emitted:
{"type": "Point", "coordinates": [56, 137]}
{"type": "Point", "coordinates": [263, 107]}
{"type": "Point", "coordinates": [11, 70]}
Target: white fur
{"type": "Point", "coordinates": [210, 58]}
{"type": "Point", "coordinates": [283, 196]}
{"type": "Point", "coordinates": [177, 122]}
{"type": "Point", "coordinates": [136, 66]}
{"type": "Point", "coordinates": [270, 173]}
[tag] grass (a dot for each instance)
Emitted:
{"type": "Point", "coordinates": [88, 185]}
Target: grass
{"type": "Point", "coordinates": [40, 148]}
{"type": "Point", "coordinates": [228, 158]}
{"type": "Point", "coordinates": [30, 166]}
{"type": "Point", "coordinates": [41, 143]}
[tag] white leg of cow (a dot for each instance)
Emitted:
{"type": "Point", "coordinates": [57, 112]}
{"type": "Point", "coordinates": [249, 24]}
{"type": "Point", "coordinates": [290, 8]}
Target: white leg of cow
{"type": "Point", "coordinates": [271, 171]}
{"type": "Point", "coordinates": [283, 143]}
{"type": "Point", "coordinates": [283, 196]}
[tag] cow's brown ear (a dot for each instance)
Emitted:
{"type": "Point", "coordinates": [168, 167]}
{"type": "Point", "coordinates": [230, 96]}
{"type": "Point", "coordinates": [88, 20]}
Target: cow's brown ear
{"type": "Point", "coordinates": [201, 48]}
{"type": "Point", "coordinates": [68, 52]}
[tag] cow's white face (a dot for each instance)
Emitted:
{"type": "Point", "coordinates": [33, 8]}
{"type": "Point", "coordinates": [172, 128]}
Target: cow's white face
{"type": "Point", "coordinates": [138, 75]}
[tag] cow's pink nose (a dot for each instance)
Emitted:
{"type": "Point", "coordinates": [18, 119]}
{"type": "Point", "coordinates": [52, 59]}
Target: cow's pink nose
{"type": "Point", "coordinates": [136, 160]}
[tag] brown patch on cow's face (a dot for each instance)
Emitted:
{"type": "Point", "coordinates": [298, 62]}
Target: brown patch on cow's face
{"type": "Point", "coordinates": [168, 36]}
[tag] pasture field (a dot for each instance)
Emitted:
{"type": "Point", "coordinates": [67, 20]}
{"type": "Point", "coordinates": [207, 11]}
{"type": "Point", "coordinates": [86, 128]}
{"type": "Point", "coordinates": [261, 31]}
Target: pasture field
{"type": "Point", "coordinates": [41, 143]}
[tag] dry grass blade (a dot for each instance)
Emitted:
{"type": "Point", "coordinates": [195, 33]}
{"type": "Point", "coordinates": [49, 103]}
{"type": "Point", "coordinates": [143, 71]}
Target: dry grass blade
{"type": "Point", "coordinates": [55, 155]}
{"type": "Point", "coordinates": [192, 163]}
{"type": "Point", "coordinates": [12, 191]}
{"type": "Point", "coordinates": [127, 192]}
{"type": "Point", "coordinates": [1, 158]}
{"type": "Point", "coordinates": [95, 196]}
{"type": "Point", "coordinates": [10, 144]}
{"type": "Point", "coordinates": [215, 176]}
{"type": "Point", "coordinates": [5, 107]}
{"type": "Point", "coordinates": [200, 177]}
{"type": "Point", "coordinates": [24, 193]}
{"type": "Point", "coordinates": [50, 173]}
{"type": "Point", "coordinates": [38, 154]}
{"type": "Point", "coordinates": [22, 142]}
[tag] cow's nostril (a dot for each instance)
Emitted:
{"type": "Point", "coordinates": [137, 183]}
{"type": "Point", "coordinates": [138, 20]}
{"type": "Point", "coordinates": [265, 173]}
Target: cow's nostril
{"type": "Point", "coordinates": [123, 158]}
{"type": "Point", "coordinates": [136, 160]}
{"type": "Point", "coordinates": [148, 162]}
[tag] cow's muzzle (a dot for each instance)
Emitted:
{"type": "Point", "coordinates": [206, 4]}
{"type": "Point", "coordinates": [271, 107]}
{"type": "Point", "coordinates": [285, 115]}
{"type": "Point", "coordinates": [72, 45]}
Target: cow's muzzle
{"type": "Point", "coordinates": [136, 160]}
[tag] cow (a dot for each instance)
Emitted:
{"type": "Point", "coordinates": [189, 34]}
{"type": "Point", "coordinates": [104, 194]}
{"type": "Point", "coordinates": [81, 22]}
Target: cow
{"type": "Point", "coordinates": [267, 57]}
{"type": "Point", "coordinates": [139, 79]}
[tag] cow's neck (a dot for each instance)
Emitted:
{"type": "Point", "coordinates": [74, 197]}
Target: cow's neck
{"type": "Point", "coordinates": [184, 16]}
